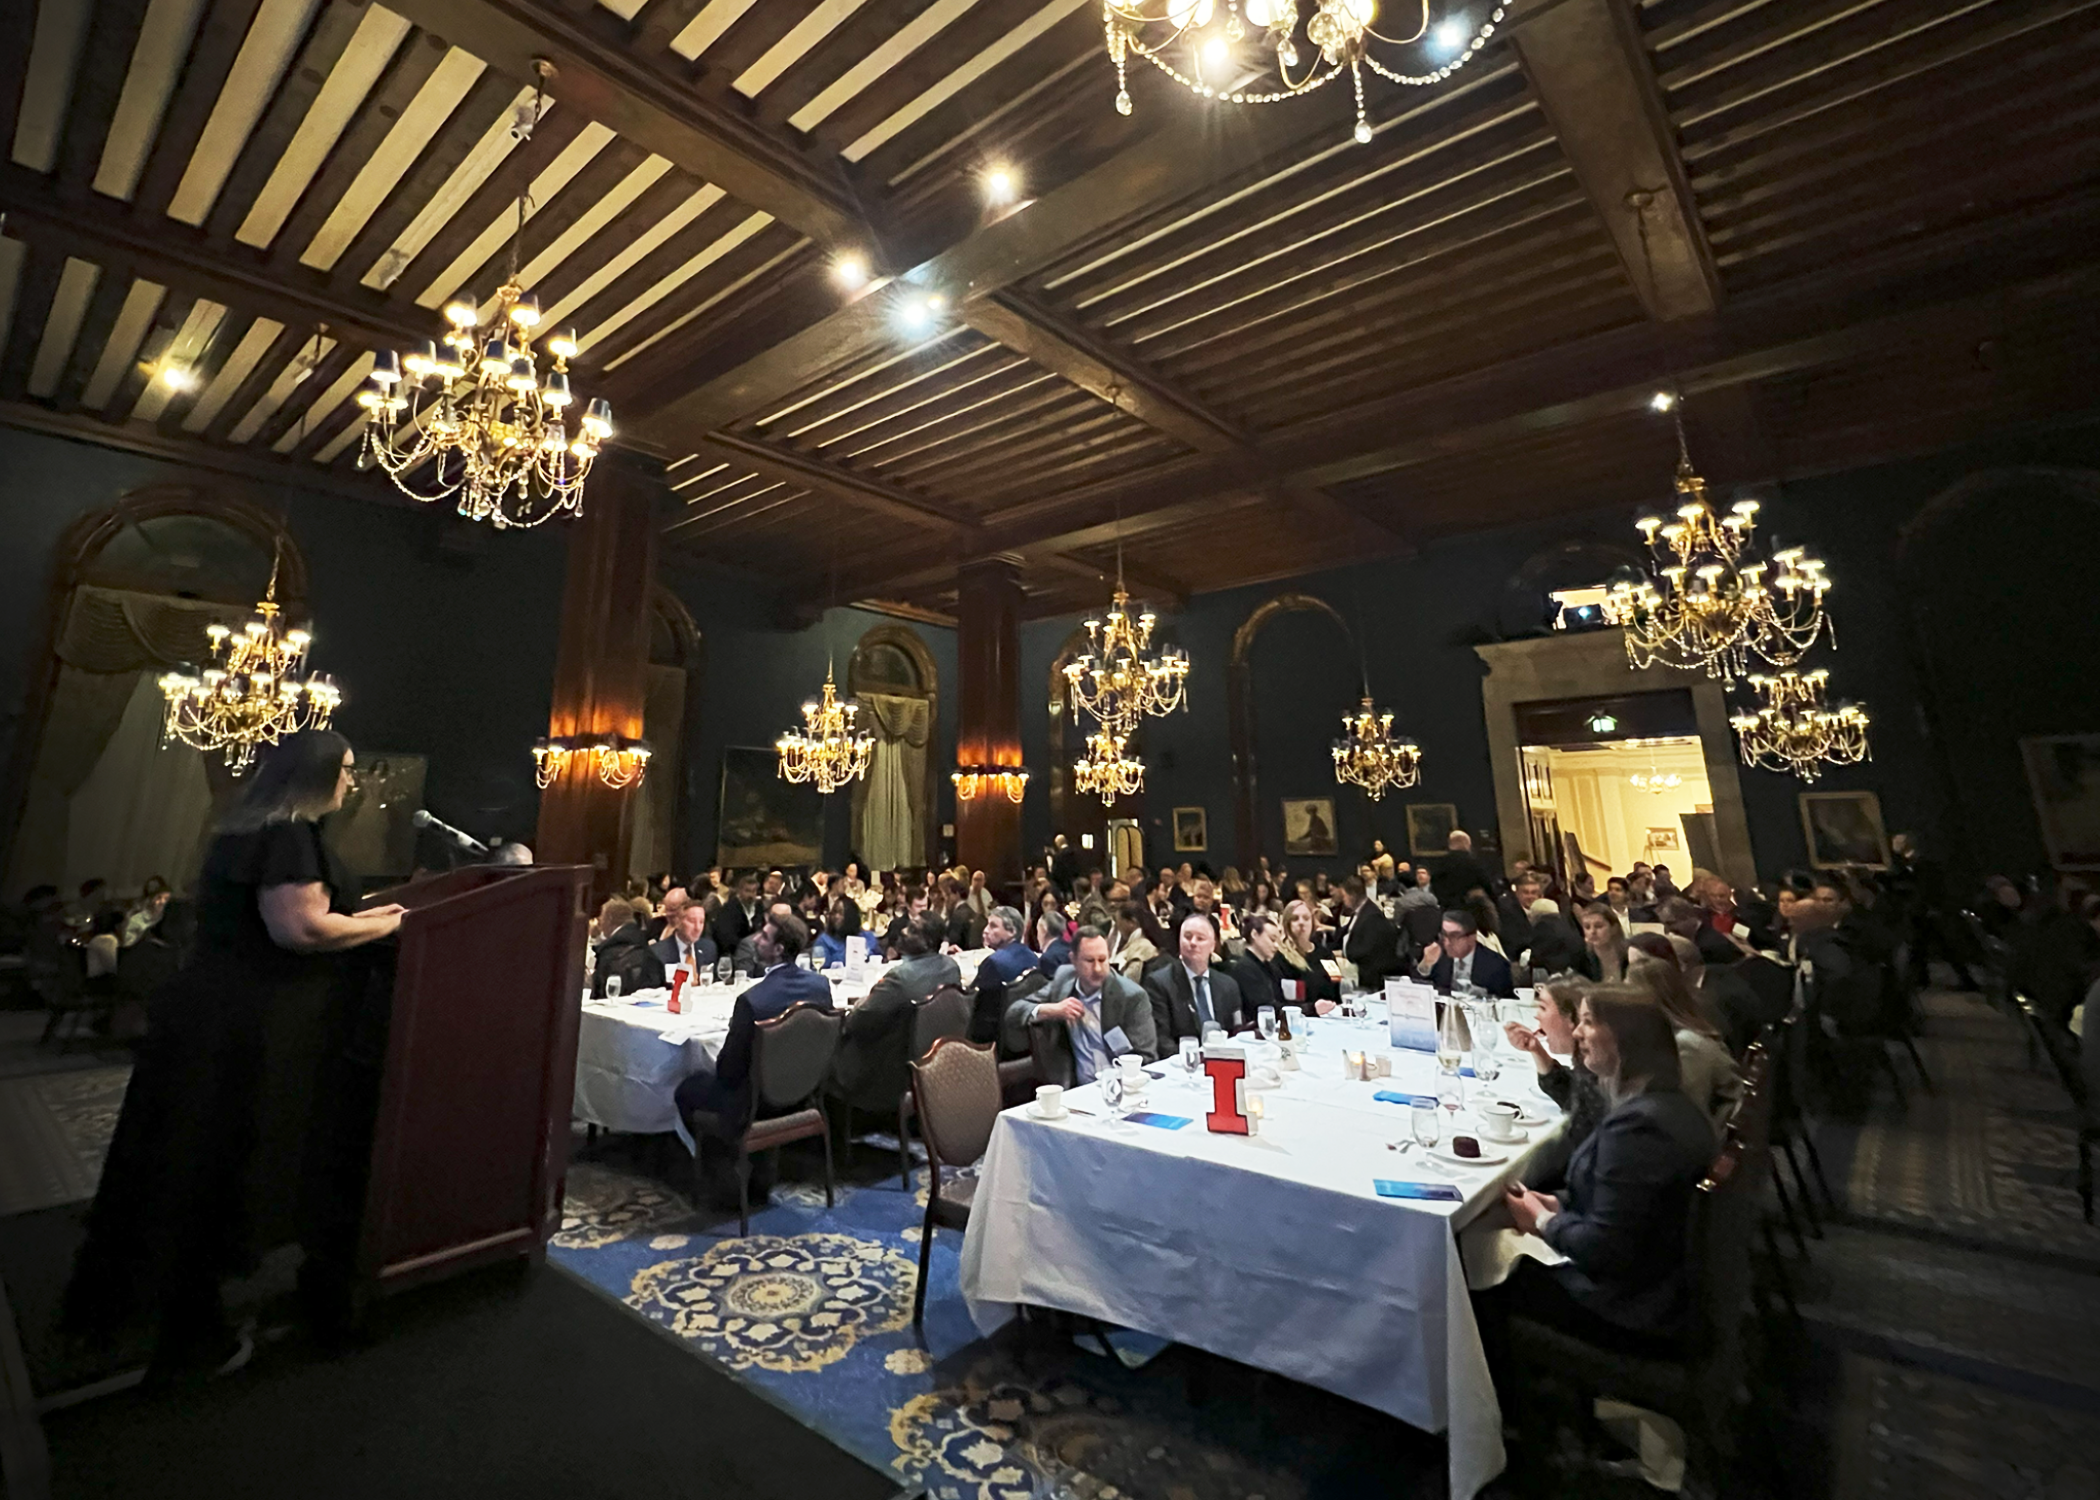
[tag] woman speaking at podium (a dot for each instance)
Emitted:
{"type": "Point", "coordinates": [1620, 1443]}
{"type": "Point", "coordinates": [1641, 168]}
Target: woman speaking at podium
{"type": "Point", "coordinates": [209, 1161]}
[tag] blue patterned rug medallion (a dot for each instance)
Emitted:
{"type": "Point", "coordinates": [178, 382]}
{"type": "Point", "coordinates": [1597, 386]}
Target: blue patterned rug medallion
{"type": "Point", "coordinates": [814, 1308]}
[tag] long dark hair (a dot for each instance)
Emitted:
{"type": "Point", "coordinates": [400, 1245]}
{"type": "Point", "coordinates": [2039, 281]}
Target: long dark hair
{"type": "Point", "coordinates": [295, 779]}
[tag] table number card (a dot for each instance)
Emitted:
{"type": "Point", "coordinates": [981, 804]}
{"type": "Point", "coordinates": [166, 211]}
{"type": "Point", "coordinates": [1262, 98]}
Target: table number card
{"type": "Point", "coordinates": [1227, 1068]}
{"type": "Point", "coordinates": [1411, 1009]}
{"type": "Point", "coordinates": [681, 975]}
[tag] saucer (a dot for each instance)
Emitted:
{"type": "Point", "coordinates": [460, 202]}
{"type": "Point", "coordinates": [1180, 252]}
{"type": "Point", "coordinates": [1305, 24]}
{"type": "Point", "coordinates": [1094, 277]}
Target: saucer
{"type": "Point", "coordinates": [1520, 1138]}
{"type": "Point", "coordinates": [1037, 1112]}
{"type": "Point", "coordinates": [1488, 1157]}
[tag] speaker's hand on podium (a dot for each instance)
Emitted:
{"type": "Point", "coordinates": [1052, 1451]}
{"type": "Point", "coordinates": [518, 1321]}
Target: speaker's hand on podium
{"type": "Point", "coordinates": [386, 918]}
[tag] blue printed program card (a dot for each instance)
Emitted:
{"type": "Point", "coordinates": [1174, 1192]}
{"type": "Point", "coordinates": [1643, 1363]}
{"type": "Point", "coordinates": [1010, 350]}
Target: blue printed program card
{"type": "Point", "coordinates": [1411, 1015]}
{"type": "Point", "coordinates": [1163, 1122]}
{"type": "Point", "coordinates": [1439, 1192]}
{"type": "Point", "coordinates": [1389, 1096]}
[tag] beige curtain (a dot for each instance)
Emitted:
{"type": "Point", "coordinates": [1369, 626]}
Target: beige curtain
{"type": "Point", "coordinates": [891, 816]}
{"type": "Point", "coordinates": [143, 809]}
{"type": "Point", "coordinates": [113, 641]}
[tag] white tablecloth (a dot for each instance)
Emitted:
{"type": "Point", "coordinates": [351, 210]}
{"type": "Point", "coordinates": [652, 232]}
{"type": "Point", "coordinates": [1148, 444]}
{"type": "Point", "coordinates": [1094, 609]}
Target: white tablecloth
{"type": "Point", "coordinates": [632, 1053]}
{"type": "Point", "coordinates": [1274, 1250]}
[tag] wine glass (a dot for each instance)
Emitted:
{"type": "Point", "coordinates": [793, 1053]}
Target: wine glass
{"type": "Point", "coordinates": [612, 986]}
{"type": "Point", "coordinates": [1265, 1022]}
{"type": "Point", "coordinates": [1111, 1085]}
{"type": "Point", "coordinates": [1451, 1091]}
{"type": "Point", "coordinates": [1191, 1055]}
{"type": "Point", "coordinates": [1427, 1129]}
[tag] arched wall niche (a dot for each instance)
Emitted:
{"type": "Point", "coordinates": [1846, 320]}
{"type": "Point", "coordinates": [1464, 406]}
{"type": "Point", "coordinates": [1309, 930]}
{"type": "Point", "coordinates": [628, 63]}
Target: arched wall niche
{"type": "Point", "coordinates": [1246, 780]}
{"type": "Point", "coordinates": [892, 661]}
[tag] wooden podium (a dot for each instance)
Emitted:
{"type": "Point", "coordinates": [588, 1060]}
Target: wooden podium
{"type": "Point", "coordinates": [471, 1132]}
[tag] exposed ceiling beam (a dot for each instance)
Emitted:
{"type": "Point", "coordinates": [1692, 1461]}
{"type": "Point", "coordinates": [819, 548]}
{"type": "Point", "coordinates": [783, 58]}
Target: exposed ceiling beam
{"type": "Point", "coordinates": [603, 76]}
{"type": "Point", "coordinates": [1149, 584]}
{"type": "Point", "coordinates": [96, 230]}
{"type": "Point", "coordinates": [864, 491]}
{"type": "Point", "coordinates": [1593, 81]}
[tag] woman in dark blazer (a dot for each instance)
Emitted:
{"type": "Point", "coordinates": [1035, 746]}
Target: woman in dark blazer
{"type": "Point", "coordinates": [1620, 1219]}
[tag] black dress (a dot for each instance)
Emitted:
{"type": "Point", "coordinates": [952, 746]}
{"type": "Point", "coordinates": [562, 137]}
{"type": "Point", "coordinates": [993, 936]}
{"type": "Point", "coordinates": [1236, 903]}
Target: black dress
{"type": "Point", "coordinates": [204, 1167]}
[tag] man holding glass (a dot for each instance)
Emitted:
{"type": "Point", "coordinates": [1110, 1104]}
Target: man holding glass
{"type": "Point", "coordinates": [1090, 1016]}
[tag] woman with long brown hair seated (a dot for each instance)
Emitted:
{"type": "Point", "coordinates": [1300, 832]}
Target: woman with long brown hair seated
{"type": "Point", "coordinates": [1621, 1217]}
{"type": "Point", "coordinates": [1706, 1069]}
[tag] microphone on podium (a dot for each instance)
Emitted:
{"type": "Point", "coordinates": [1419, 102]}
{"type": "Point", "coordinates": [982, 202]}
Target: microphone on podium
{"type": "Point", "coordinates": [467, 841]}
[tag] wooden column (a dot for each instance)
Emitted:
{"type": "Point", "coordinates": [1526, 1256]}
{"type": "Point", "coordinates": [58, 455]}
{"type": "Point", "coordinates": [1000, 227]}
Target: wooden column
{"type": "Point", "coordinates": [988, 714]}
{"type": "Point", "coordinates": [601, 671]}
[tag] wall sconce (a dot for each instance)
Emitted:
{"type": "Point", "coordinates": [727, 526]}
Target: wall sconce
{"type": "Point", "coordinates": [619, 762]}
{"type": "Point", "coordinates": [988, 781]}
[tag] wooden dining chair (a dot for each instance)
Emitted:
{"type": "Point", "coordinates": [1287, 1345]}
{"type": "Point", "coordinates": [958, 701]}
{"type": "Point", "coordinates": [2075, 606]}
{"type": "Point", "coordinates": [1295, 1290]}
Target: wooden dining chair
{"type": "Point", "coordinates": [790, 1058]}
{"type": "Point", "coordinates": [956, 1087]}
{"type": "Point", "coordinates": [942, 1014]}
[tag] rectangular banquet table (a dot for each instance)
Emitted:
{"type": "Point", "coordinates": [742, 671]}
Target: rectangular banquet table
{"type": "Point", "coordinates": [632, 1053]}
{"type": "Point", "coordinates": [1274, 1250]}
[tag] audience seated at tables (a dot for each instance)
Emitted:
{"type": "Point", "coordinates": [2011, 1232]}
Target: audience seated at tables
{"type": "Point", "coordinates": [912, 906]}
{"type": "Point", "coordinates": [1621, 1216]}
{"type": "Point", "coordinates": [1369, 939]}
{"type": "Point", "coordinates": [1457, 963]}
{"type": "Point", "coordinates": [1460, 872]}
{"type": "Point", "coordinates": [740, 916]}
{"type": "Point", "coordinates": [716, 1101]}
{"type": "Point", "coordinates": [1513, 913]}
{"type": "Point", "coordinates": [1603, 956]}
{"type": "Point", "coordinates": [1725, 995]}
{"type": "Point", "coordinates": [1556, 947]}
{"type": "Point", "coordinates": [1706, 1070]}
{"type": "Point", "coordinates": [686, 942]}
{"type": "Point", "coordinates": [623, 949]}
{"type": "Point", "coordinates": [1089, 1016]}
{"type": "Point", "coordinates": [1010, 957]}
{"type": "Point", "coordinates": [1482, 911]}
{"type": "Point", "coordinates": [871, 1065]}
{"type": "Point", "coordinates": [842, 932]}
{"type": "Point", "coordinates": [1050, 943]}
{"type": "Point", "coordinates": [1136, 941]}
{"type": "Point", "coordinates": [966, 925]}
{"type": "Point", "coordinates": [1304, 958]}
{"type": "Point", "coordinates": [1570, 1084]}
{"type": "Point", "coordinates": [1189, 995]}
{"type": "Point", "coordinates": [1688, 920]}
{"type": "Point", "coordinates": [1260, 970]}
{"type": "Point", "coordinates": [746, 960]}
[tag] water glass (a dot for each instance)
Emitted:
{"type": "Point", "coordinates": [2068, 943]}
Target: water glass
{"type": "Point", "coordinates": [1111, 1085]}
{"type": "Point", "coordinates": [1451, 1091]}
{"type": "Point", "coordinates": [725, 969]}
{"type": "Point", "coordinates": [1265, 1022]}
{"type": "Point", "coordinates": [612, 986]}
{"type": "Point", "coordinates": [1428, 1130]}
{"type": "Point", "coordinates": [1191, 1054]}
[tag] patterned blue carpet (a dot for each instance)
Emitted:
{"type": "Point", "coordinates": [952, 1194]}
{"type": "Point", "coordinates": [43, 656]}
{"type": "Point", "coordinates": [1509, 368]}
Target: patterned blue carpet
{"type": "Point", "coordinates": [814, 1309]}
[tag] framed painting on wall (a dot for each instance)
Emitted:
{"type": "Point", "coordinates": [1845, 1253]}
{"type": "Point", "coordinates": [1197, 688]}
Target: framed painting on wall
{"type": "Point", "coordinates": [764, 820]}
{"type": "Point", "coordinates": [1191, 830]}
{"type": "Point", "coordinates": [1308, 825]}
{"type": "Point", "coordinates": [1844, 828]}
{"type": "Point", "coordinates": [2063, 775]}
{"type": "Point", "coordinates": [1429, 827]}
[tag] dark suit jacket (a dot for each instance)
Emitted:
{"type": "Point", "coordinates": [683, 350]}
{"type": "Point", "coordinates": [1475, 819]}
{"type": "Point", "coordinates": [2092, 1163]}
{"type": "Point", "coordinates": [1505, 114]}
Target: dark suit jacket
{"type": "Point", "coordinates": [704, 953]}
{"type": "Point", "coordinates": [1260, 984]}
{"type": "Point", "coordinates": [1456, 873]}
{"type": "Point", "coordinates": [626, 953]}
{"type": "Point", "coordinates": [1556, 947]}
{"type": "Point", "coordinates": [1373, 945]}
{"type": "Point", "coordinates": [1623, 1212]}
{"type": "Point", "coordinates": [872, 1067]}
{"type": "Point", "coordinates": [726, 1091]}
{"type": "Point", "coordinates": [1174, 1003]}
{"type": "Point", "coordinates": [1490, 973]}
{"type": "Point", "coordinates": [732, 926]}
{"type": "Point", "coordinates": [1512, 925]}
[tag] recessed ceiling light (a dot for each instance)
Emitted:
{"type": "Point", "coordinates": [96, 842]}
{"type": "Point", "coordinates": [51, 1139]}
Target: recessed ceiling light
{"type": "Point", "coordinates": [1001, 185]}
{"type": "Point", "coordinates": [178, 377]}
{"type": "Point", "coordinates": [1662, 401]}
{"type": "Point", "coordinates": [1449, 36]}
{"type": "Point", "coordinates": [850, 270]}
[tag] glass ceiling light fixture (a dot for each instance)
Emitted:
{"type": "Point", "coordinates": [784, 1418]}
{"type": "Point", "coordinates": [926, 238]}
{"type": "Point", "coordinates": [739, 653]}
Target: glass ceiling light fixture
{"type": "Point", "coordinates": [829, 748]}
{"type": "Point", "coordinates": [1105, 771]}
{"type": "Point", "coordinates": [1794, 730]}
{"type": "Point", "coordinates": [1114, 680]}
{"type": "Point", "coordinates": [250, 696]}
{"type": "Point", "coordinates": [1210, 46]}
{"type": "Point", "coordinates": [476, 405]}
{"type": "Point", "coordinates": [1710, 599]}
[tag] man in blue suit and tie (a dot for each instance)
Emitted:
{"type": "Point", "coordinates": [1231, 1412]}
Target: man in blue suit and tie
{"type": "Point", "coordinates": [716, 1103]}
{"type": "Point", "coordinates": [1458, 964]}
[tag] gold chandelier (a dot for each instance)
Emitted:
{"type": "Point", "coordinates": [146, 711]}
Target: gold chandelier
{"type": "Point", "coordinates": [1709, 599]}
{"type": "Point", "coordinates": [250, 695]}
{"type": "Point", "coordinates": [618, 762]}
{"type": "Point", "coordinates": [1116, 682]}
{"type": "Point", "coordinates": [1655, 781]}
{"type": "Point", "coordinates": [1795, 730]}
{"type": "Point", "coordinates": [828, 749]}
{"type": "Point", "coordinates": [973, 782]}
{"type": "Point", "coordinates": [1368, 756]}
{"type": "Point", "coordinates": [1105, 771]}
{"type": "Point", "coordinates": [476, 406]}
{"type": "Point", "coordinates": [1225, 40]}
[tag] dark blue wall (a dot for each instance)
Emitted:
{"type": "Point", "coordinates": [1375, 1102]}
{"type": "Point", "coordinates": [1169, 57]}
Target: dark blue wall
{"type": "Point", "coordinates": [1420, 618]}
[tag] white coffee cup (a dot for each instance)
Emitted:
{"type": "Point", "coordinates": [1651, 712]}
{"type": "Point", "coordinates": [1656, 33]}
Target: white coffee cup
{"type": "Point", "coordinates": [1050, 1101]}
{"type": "Point", "coordinates": [1498, 1120]}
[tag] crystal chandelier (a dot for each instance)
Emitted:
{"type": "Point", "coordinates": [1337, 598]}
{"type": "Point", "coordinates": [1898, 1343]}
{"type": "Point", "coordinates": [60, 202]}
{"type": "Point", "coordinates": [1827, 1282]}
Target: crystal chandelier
{"type": "Point", "coordinates": [250, 695]}
{"type": "Point", "coordinates": [1105, 771]}
{"type": "Point", "coordinates": [1655, 781]}
{"type": "Point", "coordinates": [1214, 38]}
{"type": "Point", "coordinates": [619, 762]}
{"type": "Point", "coordinates": [1368, 756]}
{"type": "Point", "coordinates": [827, 749]}
{"type": "Point", "coordinates": [1794, 730]}
{"type": "Point", "coordinates": [1709, 599]}
{"type": "Point", "coordinates": [476, 406]}
{"type": "Point", "coordinates": [1116, 682]}
{"type": "Point", "coordinates": [973, 782]}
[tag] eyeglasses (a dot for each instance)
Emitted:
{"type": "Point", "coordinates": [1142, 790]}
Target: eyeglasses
{"type": "Point", "coordinates": [1452, 934]}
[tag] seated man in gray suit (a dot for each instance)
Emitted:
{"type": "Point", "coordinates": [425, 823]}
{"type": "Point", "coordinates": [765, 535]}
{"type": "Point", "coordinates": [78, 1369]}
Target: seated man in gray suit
{"type": "Point", "coordinates": [1089, 1016]}
{"type": "Point", "coordinates": [871, 1068]}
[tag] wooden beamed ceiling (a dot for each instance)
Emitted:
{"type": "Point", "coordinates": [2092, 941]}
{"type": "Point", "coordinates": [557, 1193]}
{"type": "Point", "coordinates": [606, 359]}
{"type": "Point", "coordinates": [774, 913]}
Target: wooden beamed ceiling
{"type": "Point", "coordinates": [1224, 345]}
